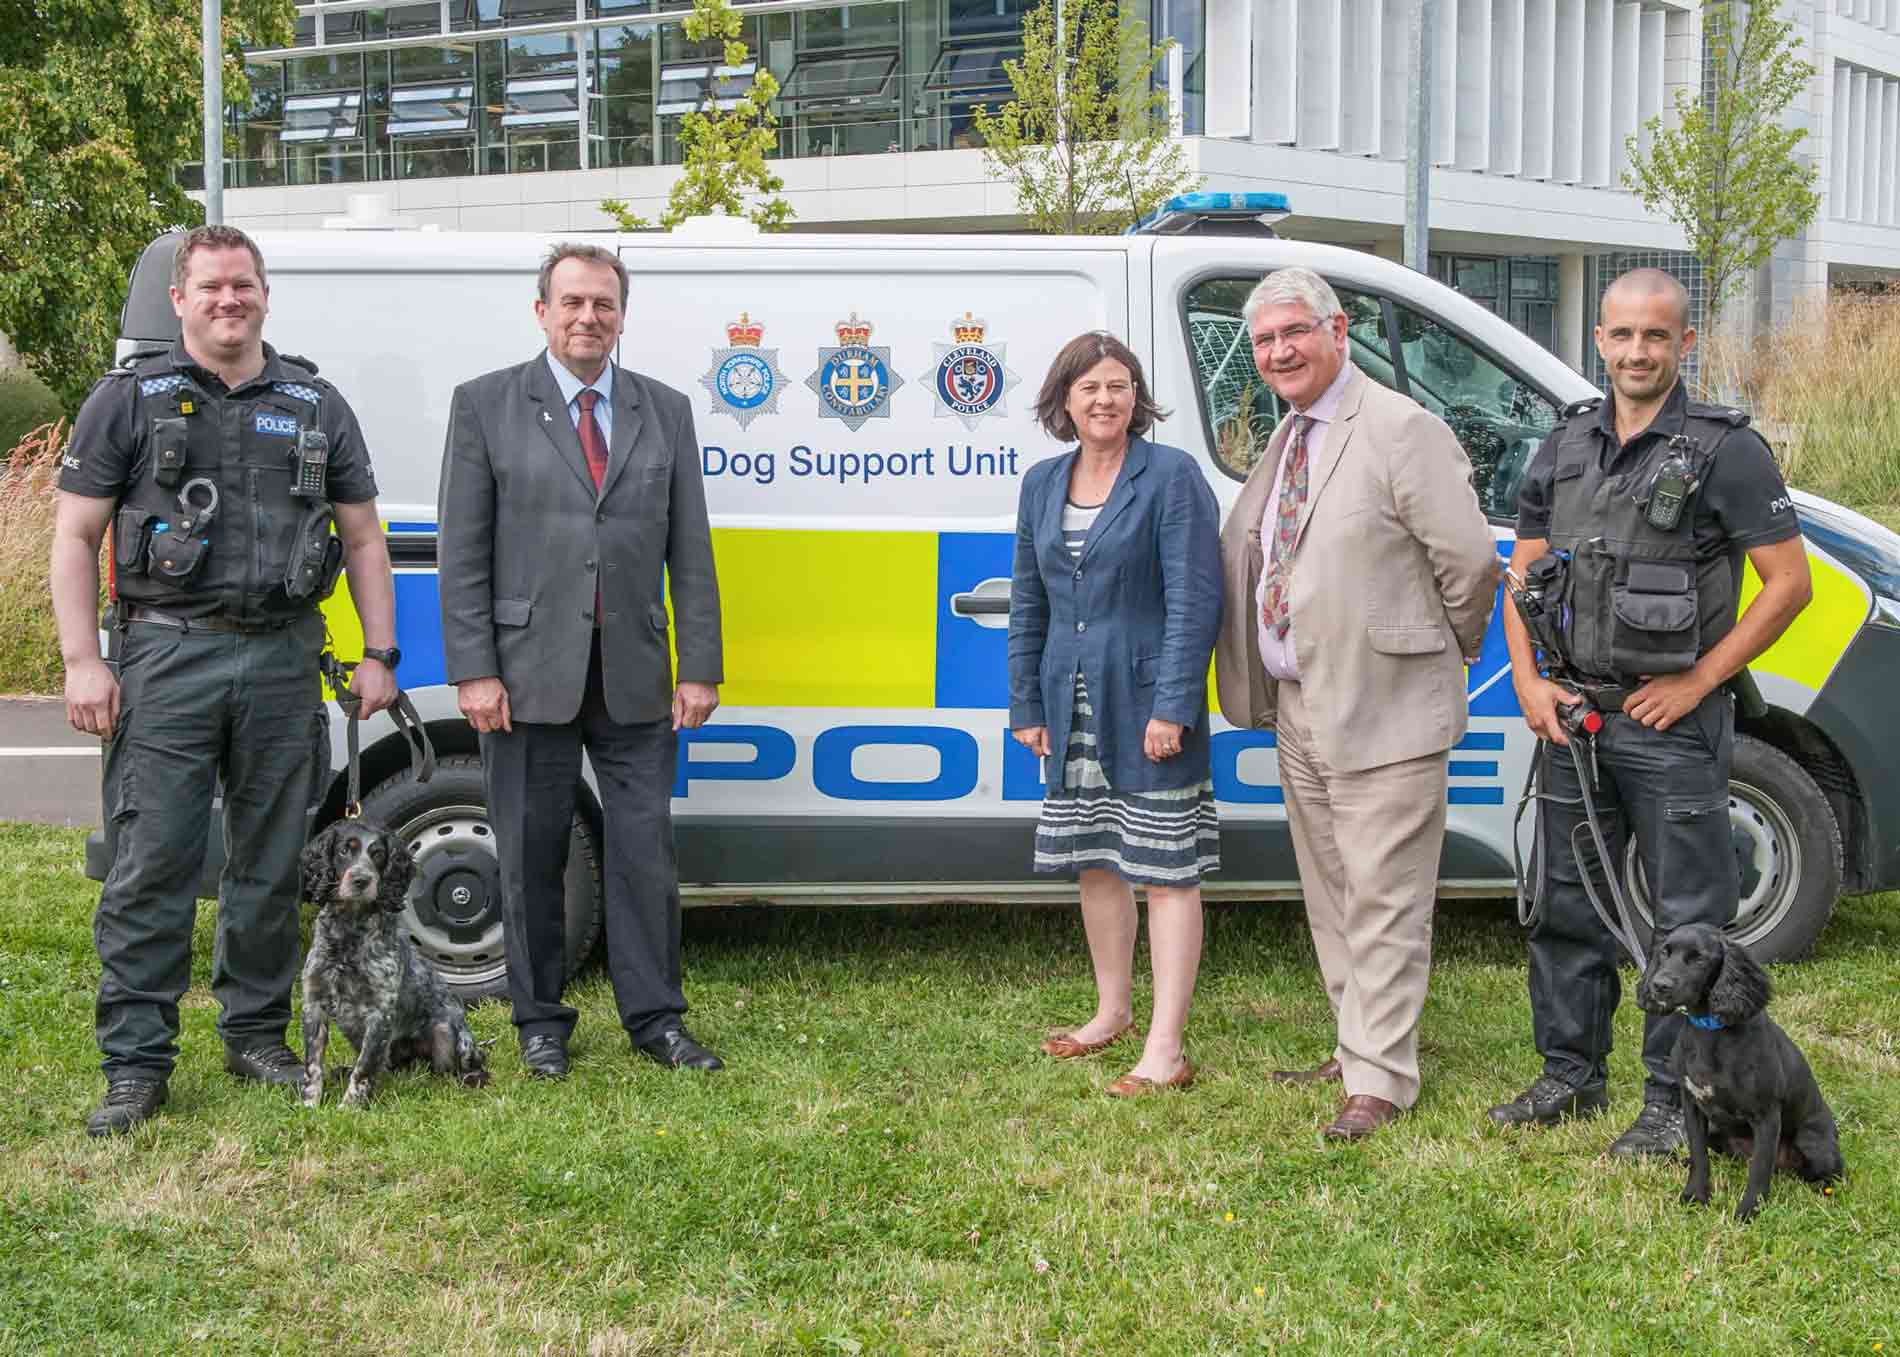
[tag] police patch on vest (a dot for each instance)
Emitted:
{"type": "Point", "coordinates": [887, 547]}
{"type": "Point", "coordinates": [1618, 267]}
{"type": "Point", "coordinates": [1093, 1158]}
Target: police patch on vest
{"type": "Point", "coordinates": [854, 381]}
{"type": "Point", "coordinates": [970, 379]}
{"type": "Point", "coordinates": [744, 380]}
{"type": "Point", "coordinates": [158, 386]}
{"type": "Point", "coordinates": [298, 390]}
{"type": "Point", "coordinates": [277, 426]}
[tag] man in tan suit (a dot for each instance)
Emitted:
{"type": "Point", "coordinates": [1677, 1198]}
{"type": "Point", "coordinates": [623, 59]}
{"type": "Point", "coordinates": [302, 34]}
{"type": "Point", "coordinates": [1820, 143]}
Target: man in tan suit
{"type": "Point", "coordinates": [1359, 572]}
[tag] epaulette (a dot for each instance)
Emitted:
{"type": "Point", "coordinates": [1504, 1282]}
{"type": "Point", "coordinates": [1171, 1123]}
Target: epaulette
{"type": "Point", "coordinates": [123, 368]}
{"type": "Point", "coordinates": [300, 361]}
{"type": "Point", "coordinates": [1723, 414]}
{"type": "Point", "coordinates": [1582, 407]}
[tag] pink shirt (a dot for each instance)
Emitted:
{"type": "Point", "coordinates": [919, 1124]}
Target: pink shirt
{"type": "Point", "coordinates": [1277, 656]}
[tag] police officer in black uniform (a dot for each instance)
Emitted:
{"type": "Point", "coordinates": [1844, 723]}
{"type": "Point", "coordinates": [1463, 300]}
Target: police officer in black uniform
{"type": "Point", "coordinates": [1648, 502]}
{"type": "Point", "coordinates": [220, 466]}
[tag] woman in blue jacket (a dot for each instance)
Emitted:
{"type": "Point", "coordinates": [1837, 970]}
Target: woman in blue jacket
{"type": "Point", "coordinates": [1115, 600]}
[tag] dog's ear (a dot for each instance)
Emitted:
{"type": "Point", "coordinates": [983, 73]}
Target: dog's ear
{"type": "Point", "coordinates": [1741, 989]}
{"type": "Point", "coordinates": [399, 869]}
{"type": "Point", "coordinates": [319, 874]}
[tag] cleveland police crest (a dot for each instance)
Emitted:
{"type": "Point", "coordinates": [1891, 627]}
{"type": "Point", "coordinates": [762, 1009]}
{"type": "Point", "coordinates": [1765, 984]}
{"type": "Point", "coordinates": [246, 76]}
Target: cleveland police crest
{"type": "Point", "coordinates": [744, 380]}
{"type": "Point", "coordinates": [970, 380]}
{"type": "Point", "coordinates": [854, 381]}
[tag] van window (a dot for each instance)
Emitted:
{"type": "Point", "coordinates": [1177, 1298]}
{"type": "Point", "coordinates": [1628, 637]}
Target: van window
{"type": "Point", "coordinates": [1499, 418]}
{"type": "Point", "coordinates": [1240, 409]}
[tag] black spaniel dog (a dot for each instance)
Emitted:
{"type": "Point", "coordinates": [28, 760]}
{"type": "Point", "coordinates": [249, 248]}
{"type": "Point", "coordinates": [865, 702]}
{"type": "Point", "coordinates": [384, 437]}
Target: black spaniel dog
{"type": "Point", "coordinates": [1747, 1090]}
{"type": "Point", "coordinates": [363, 973]}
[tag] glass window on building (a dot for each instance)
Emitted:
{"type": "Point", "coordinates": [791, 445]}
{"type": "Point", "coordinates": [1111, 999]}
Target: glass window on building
{"type": "Point", "coordinates": [1522, 290]}
{"type": "Point", "coordinates": [322, 136]}
{"type": "Point", "coordinates": [1185, 23]}
{"type": "Point", "coordinates": [622, 107]}
{"type": "Point", "coordinates": [842, 95]}
{"type": "Point", "coordinates": [538, 124]}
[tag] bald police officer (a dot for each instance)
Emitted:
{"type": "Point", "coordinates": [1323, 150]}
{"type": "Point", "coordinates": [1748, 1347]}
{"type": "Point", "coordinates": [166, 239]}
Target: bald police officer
{"type": "Point", "coordinates": [220, 466]}
{"type": "Point", "coordinates": [1649, 501]}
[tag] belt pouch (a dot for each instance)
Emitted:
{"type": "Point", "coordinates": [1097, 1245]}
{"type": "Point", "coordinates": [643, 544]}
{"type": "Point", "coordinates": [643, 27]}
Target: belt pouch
{"type": "Point", "coordinates": [170, 441]}
{"type": "Point", "coordinates": [177, 555]}
{"type": "Point", "coordinates": [132, 539]}
{"type": "Point", "coordinates": [315, 557]}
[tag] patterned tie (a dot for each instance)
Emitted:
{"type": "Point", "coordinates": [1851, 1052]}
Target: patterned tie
{"type": "Point", "coordinates": [1286, 527]}
{"type": "Point", "coordinates": [596, 447]}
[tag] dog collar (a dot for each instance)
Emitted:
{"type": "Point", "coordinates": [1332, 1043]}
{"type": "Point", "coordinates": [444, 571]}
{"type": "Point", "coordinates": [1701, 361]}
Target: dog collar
{"type": "Point", "coordinates": [1708, 1022]}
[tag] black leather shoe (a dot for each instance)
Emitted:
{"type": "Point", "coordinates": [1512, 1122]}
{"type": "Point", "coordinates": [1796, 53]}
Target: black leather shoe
{"type": "Point", "coordinates": [268, 1062]}
{"type": "Point", "coordinates": [676, 1049]}
{"type": "Point", "coordinates": [545, 1056]}
{"type": "Point", "coordinates": [129, 1100]}
{"type": "Point", "coordinates": [1549, 1101]}
{"type": "Point", "coordinates": [1657, 1131]}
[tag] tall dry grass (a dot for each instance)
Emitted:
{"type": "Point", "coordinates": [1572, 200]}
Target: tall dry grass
{"type": "Point", "coordinates": [1825, 391]}
{"type": "Point", "coordinates": [29, 643]}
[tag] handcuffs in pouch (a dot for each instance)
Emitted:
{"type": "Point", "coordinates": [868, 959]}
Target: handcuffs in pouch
{"type": "Point", "coordinates": [179, 549]}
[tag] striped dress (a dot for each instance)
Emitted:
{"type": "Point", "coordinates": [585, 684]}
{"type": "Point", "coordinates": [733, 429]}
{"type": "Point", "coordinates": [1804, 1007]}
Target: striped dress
{"type": "Point", "coordinates": [1159, 838]}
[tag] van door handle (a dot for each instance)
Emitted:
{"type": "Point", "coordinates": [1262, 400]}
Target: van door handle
{"type": "Point", "coordinates": [987, 605]}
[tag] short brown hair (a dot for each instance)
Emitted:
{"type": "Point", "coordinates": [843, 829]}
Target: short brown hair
{"type": "Point", "coordinates": [210, 237]}
{"type": "Point", "coordinates": [592, 254]}
{"type": "Point", "coordinates": [1077, 357]}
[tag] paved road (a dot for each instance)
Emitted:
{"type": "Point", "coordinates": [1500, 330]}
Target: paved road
{"type": "Point", "coordinates": [49, 773]}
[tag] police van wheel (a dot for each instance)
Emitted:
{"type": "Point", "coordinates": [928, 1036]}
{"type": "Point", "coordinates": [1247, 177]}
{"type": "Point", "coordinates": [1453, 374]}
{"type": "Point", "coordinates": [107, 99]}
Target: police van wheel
{"type": "Point", "coordinates": [1788, 845]}
{"type": "Point", "coordinates": [454, 907]}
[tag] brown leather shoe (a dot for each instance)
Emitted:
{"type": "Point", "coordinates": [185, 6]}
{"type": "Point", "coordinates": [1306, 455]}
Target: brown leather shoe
{"type": "Point", "coordinates": [1135, 1085]}
{"type": "Point", "coordinates": [1359, 1116]}
{"type": "Point", "coordinates": [1328, 1073]}
{"type": "Point", "coordinates": [1064, 1046]}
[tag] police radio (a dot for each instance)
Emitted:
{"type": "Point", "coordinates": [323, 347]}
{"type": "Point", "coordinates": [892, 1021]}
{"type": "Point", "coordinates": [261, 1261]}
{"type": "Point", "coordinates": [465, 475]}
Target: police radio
{"type": "Point", "coordinates": [313, 460]}
{"type": "Point", "coordinates": [1669, 490]}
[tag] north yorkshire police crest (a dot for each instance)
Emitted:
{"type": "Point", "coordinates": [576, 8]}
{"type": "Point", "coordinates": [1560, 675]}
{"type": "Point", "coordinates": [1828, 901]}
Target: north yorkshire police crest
{"type": "Point", "coordinates": [744, 380]}
{"type": "Point", "coordinates": [854, 381]}
{"type": "Point", "coordinates": [970, 380]}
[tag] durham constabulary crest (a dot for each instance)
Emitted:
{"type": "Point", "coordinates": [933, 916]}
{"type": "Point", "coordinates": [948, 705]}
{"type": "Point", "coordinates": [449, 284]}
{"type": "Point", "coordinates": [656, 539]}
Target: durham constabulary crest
{"type": "Point", "coordinates": [744, 379]}
{"type": "Point", "coordinates": [854, 381]}
{"type": "Point", "coordinates": [970, 379]}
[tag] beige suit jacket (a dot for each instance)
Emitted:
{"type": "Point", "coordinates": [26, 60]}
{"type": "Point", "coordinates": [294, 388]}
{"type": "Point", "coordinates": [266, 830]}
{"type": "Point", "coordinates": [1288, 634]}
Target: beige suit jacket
{"type": "Point", "coordinates": [1394, 579]}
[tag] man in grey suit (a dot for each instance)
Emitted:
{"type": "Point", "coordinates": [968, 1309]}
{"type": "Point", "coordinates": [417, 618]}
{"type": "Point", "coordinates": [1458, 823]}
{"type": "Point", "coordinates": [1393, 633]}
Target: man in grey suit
{"type": "Point", "coordinates": [570, 491]}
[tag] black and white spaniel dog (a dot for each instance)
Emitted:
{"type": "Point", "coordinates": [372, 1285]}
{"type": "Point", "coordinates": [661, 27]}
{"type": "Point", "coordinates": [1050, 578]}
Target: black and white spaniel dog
{"type": "Point", "coordinates": [363, 973]}
{"type": "Point", "coordinates": [1747, 1090]}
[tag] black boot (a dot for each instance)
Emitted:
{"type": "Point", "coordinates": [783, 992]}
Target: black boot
{"type": "Point", "coordinates": [1549, 1101]}
{"type": "Point", "coordinates": [130, 1099]}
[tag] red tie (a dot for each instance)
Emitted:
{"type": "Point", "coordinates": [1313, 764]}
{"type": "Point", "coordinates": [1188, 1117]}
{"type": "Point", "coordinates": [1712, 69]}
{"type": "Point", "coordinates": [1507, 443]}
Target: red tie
{"type": "Point", "coordinates": [591, 442]}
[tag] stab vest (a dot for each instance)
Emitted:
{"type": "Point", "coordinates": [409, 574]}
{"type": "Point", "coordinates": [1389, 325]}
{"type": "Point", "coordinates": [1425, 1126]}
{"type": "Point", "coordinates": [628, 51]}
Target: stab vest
{"type": "Point", "coordinates": [1638, 600]}
{"type": "Point", "coordinates": [242, 448]}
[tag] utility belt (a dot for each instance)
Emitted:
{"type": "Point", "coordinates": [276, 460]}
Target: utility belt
{"type": "Point", "coordinates": [147, 615]}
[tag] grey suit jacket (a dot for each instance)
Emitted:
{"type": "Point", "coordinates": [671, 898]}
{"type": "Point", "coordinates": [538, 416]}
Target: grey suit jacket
{"type": "Point", "coordinates": [525, 538]}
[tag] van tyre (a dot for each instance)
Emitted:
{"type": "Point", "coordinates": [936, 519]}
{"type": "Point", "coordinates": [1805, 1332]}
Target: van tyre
{"type": "Point", "coordinates": [453, 912]}
{"type": "Point", "coordinates": [1789, 847]}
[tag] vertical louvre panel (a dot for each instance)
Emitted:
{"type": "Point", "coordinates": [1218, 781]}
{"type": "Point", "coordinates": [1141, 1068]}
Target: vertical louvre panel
{"type": "Point", "coordinates": [1837, 178]}
{"type": "Point", "coordinates": [1567, 124]}
{"type": "Point", "coordinates": [1319, 75]}
{"type": "Point", "coordinates": [1878, 149]}
{"type": "Point", "coordinates": [1625, 83]}
{"type": "Point", "coordinates": [1473, 146]}
{"type": "Point", "coordinates": [1540, 87]}
{"type": "Point", "coordinates": [1360, 88]}
{"type": "Point", "coordinates": [1599, 128]}
{"type": "Point", "coordinates": [1890, 141]}
{"type": "Point", "coordinates": [1395, 78]}
{"type": "Point", "coordinates": [1447, 64]}
{"type": "Point", "coordinates": [1507, 86]}
{"type": "Point", "coordinates": [1857, 147]}
{"type": "Point", "coordinates": [1650, 100]}
{"type": "Point", "coordinates": [1277, 61]}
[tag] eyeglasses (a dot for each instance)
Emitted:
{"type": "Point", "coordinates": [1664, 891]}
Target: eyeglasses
{"type": "Point", "coordinates": [1272, 339]}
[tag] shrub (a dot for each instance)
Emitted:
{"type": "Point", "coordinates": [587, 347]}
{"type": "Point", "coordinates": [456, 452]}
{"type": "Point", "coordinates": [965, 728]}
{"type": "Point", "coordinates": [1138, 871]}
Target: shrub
{"type": "Point", "coordinates": [25, 404]}
{"type": "Point", "coordinates": [29, 642]}
{"type": "Point", "coordinates": [1822, 390]}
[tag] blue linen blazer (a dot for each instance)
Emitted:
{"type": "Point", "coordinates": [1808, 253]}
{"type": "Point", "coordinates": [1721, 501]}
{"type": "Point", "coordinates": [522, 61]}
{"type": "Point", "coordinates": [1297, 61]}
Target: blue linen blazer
{"type": "Point", "coordinates": [1137, 615]}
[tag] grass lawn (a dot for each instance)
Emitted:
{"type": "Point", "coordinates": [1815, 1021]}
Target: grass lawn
{"type": "Point", "coordinates": [889, 1166]}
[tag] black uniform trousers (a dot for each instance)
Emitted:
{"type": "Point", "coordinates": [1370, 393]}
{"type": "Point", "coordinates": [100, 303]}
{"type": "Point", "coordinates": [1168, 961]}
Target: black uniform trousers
{"type": "Point", "coordinates": [1670, 789]}
{"type": "Point", "coordinates": [531, 775]}
{"type": "Point", "coordinates": [194, 706]}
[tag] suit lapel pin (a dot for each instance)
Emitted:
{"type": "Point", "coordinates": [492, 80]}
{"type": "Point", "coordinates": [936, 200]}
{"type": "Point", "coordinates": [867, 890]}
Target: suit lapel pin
{"type": "Point", "coordinates": [546, 418]}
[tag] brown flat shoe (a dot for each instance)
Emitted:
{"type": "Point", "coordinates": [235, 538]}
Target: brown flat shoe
{"type": "Point", "coordinates": [1064, 1046]}
{"type": "Point", "coordinates": [1328, 1073]}
{"type": "Point", "coordinates": [1136, 1085]}
{"type": "Point", "coordinates": [1359, 1116]}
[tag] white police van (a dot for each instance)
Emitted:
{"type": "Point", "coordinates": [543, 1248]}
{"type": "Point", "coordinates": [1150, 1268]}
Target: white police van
{"type": "Point", "coordinates": [864, 410]}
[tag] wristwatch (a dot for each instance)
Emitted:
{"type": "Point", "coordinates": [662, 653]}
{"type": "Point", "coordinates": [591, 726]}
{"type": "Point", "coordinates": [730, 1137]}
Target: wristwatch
{"type": "Point", "coordinates": [390, 656]}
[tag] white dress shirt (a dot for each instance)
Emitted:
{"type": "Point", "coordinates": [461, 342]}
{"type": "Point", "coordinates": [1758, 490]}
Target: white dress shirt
{"type": "Point", "coordinates": [571, 388]}
{"type": "Point", "coordinates": [1277, 656]}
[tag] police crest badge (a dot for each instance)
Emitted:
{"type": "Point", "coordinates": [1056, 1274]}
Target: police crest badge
{"type": "Point", "coordinates": [744, 380]}
{"type": "Point", "coordinates": [854, 381]}
{"type": "Point", "coordinates": [970, 379]}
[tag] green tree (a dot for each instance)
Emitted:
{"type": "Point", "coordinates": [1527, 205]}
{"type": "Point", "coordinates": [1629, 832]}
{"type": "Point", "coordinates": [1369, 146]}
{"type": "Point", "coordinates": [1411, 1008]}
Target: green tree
{"type": "Point", "coordinates": [1086, 141]}
{"type": "Point", "coordinates": [99, 103]}
{"type": "Point", "coordinates": [1727, 173]}
{"type": "Point", "coordinates": [726, 152]}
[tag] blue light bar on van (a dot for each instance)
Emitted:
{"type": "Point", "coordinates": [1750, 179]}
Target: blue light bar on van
{"type": "Point", "coordinates": [1222, 214]}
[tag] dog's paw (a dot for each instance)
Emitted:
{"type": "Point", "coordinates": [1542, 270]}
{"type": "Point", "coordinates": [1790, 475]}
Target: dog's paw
{"type": "Point", "coordinates": [357, 1095]}
{"type": "Point", "coordinates": [475, 1079]}
{"type": "Point", "coordinates": [1747, 1211]}
{"type": "Point", "coordinates": [1694, 1196]}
